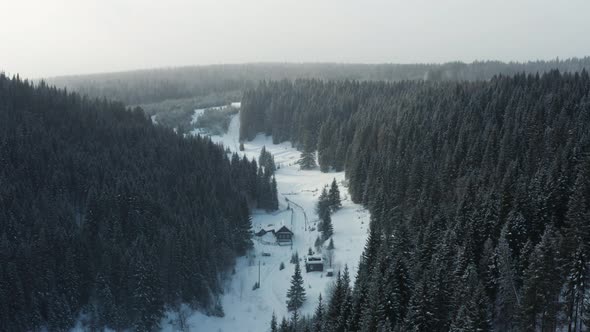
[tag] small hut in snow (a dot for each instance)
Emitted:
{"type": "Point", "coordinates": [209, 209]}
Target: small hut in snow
{"type": "Point", "coordinates": [314, 263]}
{"type": "Point", "coordinates": [284, 236]}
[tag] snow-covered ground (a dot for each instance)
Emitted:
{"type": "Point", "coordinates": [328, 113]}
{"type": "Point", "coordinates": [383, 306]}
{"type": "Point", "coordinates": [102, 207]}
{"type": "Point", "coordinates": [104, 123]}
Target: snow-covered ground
{"type": "Point", "coordinates": [200, 111]}
{"type": "Point", "coordinates": [250, 310]}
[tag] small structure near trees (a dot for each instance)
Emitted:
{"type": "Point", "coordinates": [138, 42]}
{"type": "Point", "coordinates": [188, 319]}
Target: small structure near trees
{"type": "Point", "coordinates": [283, 236]}
{"type": "Point", "coordinates": [314, 263]}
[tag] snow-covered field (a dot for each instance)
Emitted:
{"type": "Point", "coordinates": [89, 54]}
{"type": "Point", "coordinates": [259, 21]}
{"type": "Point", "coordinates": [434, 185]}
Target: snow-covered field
{"type": "Point", "coordinates": [250, 310]}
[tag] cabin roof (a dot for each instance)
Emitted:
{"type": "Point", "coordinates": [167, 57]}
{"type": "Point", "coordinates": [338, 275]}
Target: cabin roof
{"type": "Point", "coordinates": [284, 229]}
{"type": "Point", "coordinates": [314, 259]}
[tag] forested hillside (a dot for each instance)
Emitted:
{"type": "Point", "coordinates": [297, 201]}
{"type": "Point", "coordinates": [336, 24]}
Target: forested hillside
{"type": "Point", "coordinates": [215, 82]}
{"type": "Point", "coordinates": [106, 217]}
{"type": "Point", "coordinates": [478, 194]}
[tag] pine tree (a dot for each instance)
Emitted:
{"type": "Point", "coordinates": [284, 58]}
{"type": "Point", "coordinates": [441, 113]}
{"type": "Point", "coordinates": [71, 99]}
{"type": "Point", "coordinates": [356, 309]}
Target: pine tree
{"type": "Point", "coordinates": [262, 156]}
{"type": "Point", "coordinates": [576, 289]}
{"type": "Point", "coordinates": [318, 317]}
{"type": "Point", "coordinates": [318, 244]}
{"type": "Point", "coordinates": [307, 160]}
{"type": "Point", "coordinates": [586, 310]}
{"type": "Point", "coordinates": [474, 312]}
{"type": "Point", "coordinates": [323, 205]}
{"type": "Point", "coordinates": [335, 304]}
{"type": "Point", "coordinates": [274, 195]}
{"type": "Point", "coordinates": [420, 310]}
{"type": "Point", "coordinates": [296, 293]}
{"type": "Point", "coordinates": [395, 292]}
{"type": "Point", "coordinates": [578, 216]}
{"type": "Point", "coordinates": [463, 322]}
{"type": "Point", "coordinates": [325, 149]}
{"type": "Point", "coordinates": [295, 320]}
{"type": "Point", "coordinates": [541, 285]}
{"type": "Point", "coordinates": [327, 227]}
{"type": "Point", "coordinates": [243, 231]}
{"type": "Point", "coordinates": [267, 161]}
{"type": "Point", "coordinates": [273, 323]}
{"type": "Point", "coordinates": [346, 279]}
{"type": "Point", "coordinates": [507, 299]}
{"type": "Point", "coordinates": [344, 317]}
{"type": "Point", "coordinates": [488, 269]}
{"type": "Point", "coordinates": [284, 327]}
{"type": "Point", "coordinates": [334, 197]}
{"type": "Point", "coordinates": [147, 302]}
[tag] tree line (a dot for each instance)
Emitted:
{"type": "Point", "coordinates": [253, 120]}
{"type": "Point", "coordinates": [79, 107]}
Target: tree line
{"type": "Point", "coordinates": [216, 83]}
{"type": "Point", "coordinates": [109, 219]}
{"type": "Point", "coordinates": [478, 193]}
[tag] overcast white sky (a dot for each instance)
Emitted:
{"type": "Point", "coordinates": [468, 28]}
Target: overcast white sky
{"type": "Point", "coordinates": [56, 37]}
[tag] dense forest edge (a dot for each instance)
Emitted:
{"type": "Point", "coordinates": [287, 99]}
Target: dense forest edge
{"type": "Point", "coordinates": [478, 193]}
{"type": "Point", "coordinates": [157, 85]}
{"type": "Point", "coordinates": [108, 220]}
{"type": "Point", "coordinates": [172, 94]}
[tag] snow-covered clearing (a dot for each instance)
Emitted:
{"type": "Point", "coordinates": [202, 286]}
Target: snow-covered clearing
{"type": "Point", "coordinates": [250, 310]}
{"type": "Point", "coordinates": [200, 111]}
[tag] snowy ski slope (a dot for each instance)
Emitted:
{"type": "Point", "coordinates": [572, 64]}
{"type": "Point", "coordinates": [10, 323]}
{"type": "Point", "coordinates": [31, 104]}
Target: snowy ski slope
{"type": "Point", "coordinates": [250, 310]}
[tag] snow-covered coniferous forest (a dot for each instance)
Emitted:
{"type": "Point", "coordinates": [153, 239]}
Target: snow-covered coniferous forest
{"type": "Point", "coordinates": [295, 166]}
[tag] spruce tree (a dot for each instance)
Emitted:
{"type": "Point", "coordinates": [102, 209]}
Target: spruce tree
{"type": "Point", "coordinates": [586, 310]}
{"type": "Point", "coordinates": [147, 302]}
{"type": "Point", "coordinates": [507, 299]}
{"type": "Point", "coordinates": [243, 231]}
{"type": "Point", "coordinates": [334, 197]}
{"type": "Point", "coordinates": [318, 317]}
{"type": "Point", "coordinates": [576, 288]}
{"type": "Point", "coordinates": [296, 292]}
{"type": "Point", "coordinates": [307, 160]}
{"type": "Point", "coordinates": [325, 149]}
{"type": "Point", "coordinates": [273, 323]}
{"type": "Point", "coordinates": [267, 161]}
{"type": "Point", "coordinates": [327, 227]}
{"type": "Point", "coordinates": [274, 199]}
{"type": "Point", "coordinates": [323, 205]}
{"type": "Point", "coordinates": [295, 320]}
{"type": "Point", "coordinates": [420, 310]}
{"type": "Point", "coordinates": [262, 156]}
{"type": "Point", "coordinates": [284, 327]}
{"type": "Point", "coordinates": [318, 244]}
{"type": "Point", "coordinates": [335, 304]}
{"type": "Point", "coordinates": [541, 285]}
{"type": "Point", "coordinates": [578, 216]}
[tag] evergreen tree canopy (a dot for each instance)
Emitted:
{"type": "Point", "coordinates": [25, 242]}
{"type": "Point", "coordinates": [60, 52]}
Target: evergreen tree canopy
{"type": "Point", "coordinates": [103, 212]}
{"type": "Point", "coordinates": [296, 292]}
{"type": "Point", "coordinates": [334, 197]}
{"type": "Point", "coordinates": [489, 177]}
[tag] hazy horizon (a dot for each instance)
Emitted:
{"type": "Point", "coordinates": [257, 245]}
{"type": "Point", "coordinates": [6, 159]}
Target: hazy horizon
{"type": "Point", "coordinates": [67, 37]}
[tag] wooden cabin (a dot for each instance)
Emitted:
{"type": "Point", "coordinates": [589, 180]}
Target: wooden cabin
{"type": "Point", "coordinates": [314, 263]}
{"type": "Point", "coordinates": [284, 236]}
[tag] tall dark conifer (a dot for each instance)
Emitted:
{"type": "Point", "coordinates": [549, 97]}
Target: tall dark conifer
{"type": "Point", "coordinates": [296, 292]}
